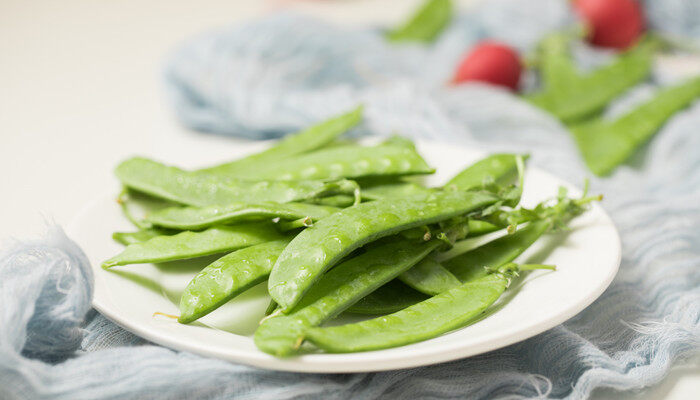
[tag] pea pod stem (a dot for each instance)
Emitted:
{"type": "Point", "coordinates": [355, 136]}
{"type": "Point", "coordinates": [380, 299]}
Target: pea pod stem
{"type": "Point", "coordinates": [469, 265]}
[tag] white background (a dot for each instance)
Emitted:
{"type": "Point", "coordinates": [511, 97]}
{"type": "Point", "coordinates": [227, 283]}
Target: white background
{"type": "Point", "coordinates": [80, 89]}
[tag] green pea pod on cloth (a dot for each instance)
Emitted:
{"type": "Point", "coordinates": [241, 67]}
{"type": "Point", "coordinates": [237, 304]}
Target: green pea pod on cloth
{"type": "Point", "coordinates": [571, 95]}
{"type": "Point", "coordinates": [607, 144]}
{"type": "Point", "coordinates": [425, 24]}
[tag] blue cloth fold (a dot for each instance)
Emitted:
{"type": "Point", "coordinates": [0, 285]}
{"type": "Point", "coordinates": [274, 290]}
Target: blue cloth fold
{"type": "Point", "coordinates": [282, 73]}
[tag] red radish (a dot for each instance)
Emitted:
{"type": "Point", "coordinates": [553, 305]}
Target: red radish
{"type": "Point", "coordinates": [613, 23]}
{"type": "Point", "coordinates": [490, 62]}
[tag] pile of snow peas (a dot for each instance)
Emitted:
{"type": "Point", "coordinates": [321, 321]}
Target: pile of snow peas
{"type": "Point", "coordinates": [380, 250]}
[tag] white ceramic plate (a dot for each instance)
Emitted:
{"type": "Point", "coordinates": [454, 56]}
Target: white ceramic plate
{"type": "Point", "coordinates": [587, 259]}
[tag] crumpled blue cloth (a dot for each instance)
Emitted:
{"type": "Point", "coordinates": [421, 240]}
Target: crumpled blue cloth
{"type": "Point", "coordinates": [284, 72]}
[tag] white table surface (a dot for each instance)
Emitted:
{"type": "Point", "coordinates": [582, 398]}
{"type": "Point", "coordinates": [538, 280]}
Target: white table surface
{"type": "Point", "coordinates": [80, 90]}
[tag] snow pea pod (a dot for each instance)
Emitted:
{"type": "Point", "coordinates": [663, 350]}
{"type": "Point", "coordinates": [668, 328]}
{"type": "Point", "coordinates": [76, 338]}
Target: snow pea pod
{"type": "Point", "coordinates": [342, 162]}
{"type": "Point", "coordinates": [338, 201]}
{"type": "Point", "coordinates": [228, 277]}
{"type": "Point", "coordinates": [194, 218]}
{"type": "Point", "coordinates": [582, 95]}
{"type": "Point", "coordinates": [391, 297]}
{"type": "Point", "coordinates": [190, 244]}
{"type": "Point", "coordinates": [127, 238]}
{"type": "Point", "coordinates": [187, 188]}
{"type": "Point", "coordinates": [430, 318]}
{"type": "Point", "coordinates": [439, 277]}
{"type": "Point", "coordinates": [310, 139]}
{"type": "Point", "coordinates": [479, 227]}
{"type": "Point", "coordinates": [425, 24]}
{"type": "Point", "coordinates": [500, 169]}
{"type": "Point", "coordinates": [470, 265]}
{"type": "Point", "coordinates": [319, 247]}
{"type": "Point", "coordinates": [557, 68]}
{"type": "Point", "coordinates": [606, 144]}
{"type": "Point", "coordinates": [429, 277]}
{"type": "Point", "coordinates": [375, 189]}
{"type": "Point", "coordinates": [337, 290]}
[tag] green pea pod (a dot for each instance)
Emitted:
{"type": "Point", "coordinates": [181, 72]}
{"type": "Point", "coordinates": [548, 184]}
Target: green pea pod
{"type": "Point", "coordinates": [319, 247]}
{"type": "Point", "coordinates": [556, 65]}
{"type": "Point", "coordinates": [470, 265]}
{"type": "Point", "coordinates": [337, 290]}
{"type": "Point", "coordinates": [425, 320]}
{"type": "Point", "coordinates": [426, 24]}
{"type": "Point", "coordinates": [438, 277]}
{"type": "Point", "coordinates": [194, 218]}
{"type": "Point", "coordinates": [429, 277]}
{"type": "Point", "coordinates": [134, 205]}
{"type": "Point", "coordinates": [228, 277]}
{"type": "Point", "coordinates": [310, 139]}
{"type": "Point", "coordinates": [187, 188]}
{"type": "Point", "coordinates": [606, 144]}
{"type": "Point", "coordinates": [338, 201]}
{"type": "Point", "coordinates": [127, 238]}
{"type": "Point", "coordinates": [375, 189]}
{"type": "Point", "coordinates": [396, 140]}
{"type": "Point", "coordinates": [499, 169]}
{"type": "Point", "coordinates": [577, 97]}
{"type": "Point", "coordinates": [190, 244]}
{"type": "Point", "coordinates": [341, 162]}
{"type": "Point", "coordinates": [430, 318]}
{"type": "Point", "coordinates": [391, 297]}
{"type": "Point", "coordinates": [479, 228]}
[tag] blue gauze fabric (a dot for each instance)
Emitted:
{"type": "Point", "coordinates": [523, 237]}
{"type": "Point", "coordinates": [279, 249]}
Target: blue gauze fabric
{"type": "Point", "coordinates": [285, 72]}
